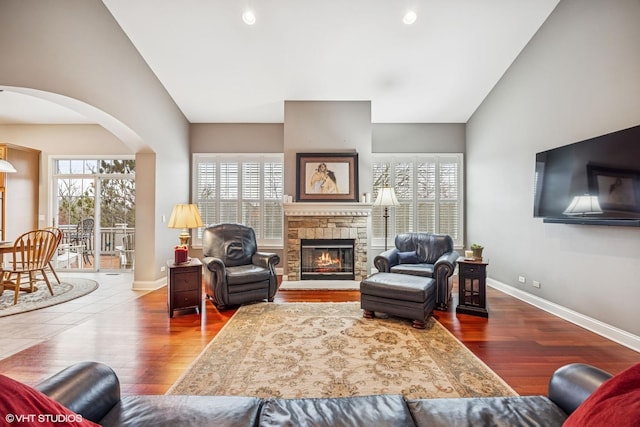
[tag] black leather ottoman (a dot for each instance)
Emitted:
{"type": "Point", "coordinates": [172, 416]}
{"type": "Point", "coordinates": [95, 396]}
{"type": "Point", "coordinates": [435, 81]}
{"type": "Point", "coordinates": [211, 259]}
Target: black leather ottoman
{"type": "Point", "coordinates": [402, 295]}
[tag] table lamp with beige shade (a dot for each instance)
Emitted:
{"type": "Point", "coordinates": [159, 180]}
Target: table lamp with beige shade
{"type": "Point", "coordinates": [185, 216]}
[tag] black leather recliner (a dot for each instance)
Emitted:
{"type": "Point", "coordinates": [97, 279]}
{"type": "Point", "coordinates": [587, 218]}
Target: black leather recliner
{"type": "Point", "coordinates": [235, 272]}
{"type": "Point", "coordinates": [423, 254]}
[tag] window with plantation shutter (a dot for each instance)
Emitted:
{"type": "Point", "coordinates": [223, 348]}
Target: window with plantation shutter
{"type": "Point", "coordinates": [429, 190]}
{"type": "Point", "coordinates": [243, 188]}
{"type": "Point", "coordinates": [273, 182]}
{"type": "Point", "coordinates": [229, 202]}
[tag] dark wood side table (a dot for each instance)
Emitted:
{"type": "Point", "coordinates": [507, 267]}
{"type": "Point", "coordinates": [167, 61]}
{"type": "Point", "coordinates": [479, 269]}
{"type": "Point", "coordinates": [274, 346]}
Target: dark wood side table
{"type": "Point", "coordinates": [184, 285]}
{"type": "Point", "coordinates": [472, 287]}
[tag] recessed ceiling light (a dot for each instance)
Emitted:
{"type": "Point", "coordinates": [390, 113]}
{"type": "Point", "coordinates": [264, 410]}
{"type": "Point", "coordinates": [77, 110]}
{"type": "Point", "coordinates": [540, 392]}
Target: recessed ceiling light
{"type": "Point", "coordinates": [248, 17]}
{"type": "Point", "coordinates": [409, 17]}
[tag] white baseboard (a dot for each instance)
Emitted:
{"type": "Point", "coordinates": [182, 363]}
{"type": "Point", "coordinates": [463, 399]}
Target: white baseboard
{"type": "Point", "coordinates": [148, 285]}
{"type": "Point", "coordinates": [610, 332]}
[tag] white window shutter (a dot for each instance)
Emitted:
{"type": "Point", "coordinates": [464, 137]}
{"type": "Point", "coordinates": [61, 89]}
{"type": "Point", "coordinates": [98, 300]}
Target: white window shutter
{"type": "Point", "coordinates": [245, 188]}
{"type": "Point", "coordinates": [429, 189]}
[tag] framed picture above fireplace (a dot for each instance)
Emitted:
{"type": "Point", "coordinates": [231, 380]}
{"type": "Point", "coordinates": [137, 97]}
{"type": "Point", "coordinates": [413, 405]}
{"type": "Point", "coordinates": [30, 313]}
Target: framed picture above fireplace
{"type": "Point", "coordinates": [327, 177]}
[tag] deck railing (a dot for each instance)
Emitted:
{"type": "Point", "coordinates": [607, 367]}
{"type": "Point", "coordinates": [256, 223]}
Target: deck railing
{"type": "Point", "coordinates": [109, 238]}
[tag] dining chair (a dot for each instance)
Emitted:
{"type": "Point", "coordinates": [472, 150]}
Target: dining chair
{"type": "Point", "coordinates": [84, 236]}
{"type": "Point", "coordinates": [59, 234]}
{"type": "Point", "coordinates": [30, 254]}
{"type": "Point", "coordinates": [127, 251]}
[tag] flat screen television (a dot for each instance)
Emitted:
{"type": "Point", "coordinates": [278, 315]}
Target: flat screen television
{"type": "Point", "coordinates": [596, 181]}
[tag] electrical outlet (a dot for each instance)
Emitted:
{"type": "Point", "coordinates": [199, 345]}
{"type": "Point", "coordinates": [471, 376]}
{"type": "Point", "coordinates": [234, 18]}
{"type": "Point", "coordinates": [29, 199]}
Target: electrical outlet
{"type": "Point", "coordinates": [162, 269]}
{"type": "Point", "coordinates": [521, 279]}
{"type": "Point", "coordinates": [536, 284]}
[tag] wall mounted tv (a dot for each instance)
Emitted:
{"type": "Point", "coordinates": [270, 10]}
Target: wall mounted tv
{"type": "Point", "coordinates": [596, 181]}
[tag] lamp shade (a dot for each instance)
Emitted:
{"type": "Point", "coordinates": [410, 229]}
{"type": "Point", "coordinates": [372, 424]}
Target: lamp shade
{"type": "Point", "coordinates": [185, 216]}
{"type": "Point", "coordinates": [7, 167]}
{"type": "Point", "coordinates": [386, 197]}
{"type": "Point", "coordinates": [583, 205]}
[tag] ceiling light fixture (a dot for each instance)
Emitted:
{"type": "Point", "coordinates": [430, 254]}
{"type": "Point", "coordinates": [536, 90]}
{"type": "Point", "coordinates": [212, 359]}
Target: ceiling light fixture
{"type": "Point", "coordinates": [409, 17]}
{"type": "Point", "coordinates": [248, 17]}
{"type": "Point", "coordinates": [7, 167]}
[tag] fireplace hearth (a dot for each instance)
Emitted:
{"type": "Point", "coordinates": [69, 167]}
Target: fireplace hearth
{"type": "Point", "coordinates": [327, 259]}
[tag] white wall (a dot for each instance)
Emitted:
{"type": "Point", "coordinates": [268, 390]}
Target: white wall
{"type": "Point", "coordinates": [579, 77]}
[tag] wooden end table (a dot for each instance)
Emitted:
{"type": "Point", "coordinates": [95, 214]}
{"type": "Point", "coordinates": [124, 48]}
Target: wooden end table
{"type": "Point", "coordinates": [472, 287]}
{"type": "Point", "coordinates": [184, 285]}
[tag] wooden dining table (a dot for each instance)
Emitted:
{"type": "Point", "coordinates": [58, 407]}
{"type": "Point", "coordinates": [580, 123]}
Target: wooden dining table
{"type": "Point", "coordinates": [6, 247]}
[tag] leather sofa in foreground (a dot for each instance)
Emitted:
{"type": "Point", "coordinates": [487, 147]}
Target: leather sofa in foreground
{"type": "Point", "coordinates": [92, 390]}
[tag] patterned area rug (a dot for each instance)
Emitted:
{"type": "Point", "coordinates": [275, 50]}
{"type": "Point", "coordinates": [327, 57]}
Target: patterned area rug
{"type": "Point", "coordinates": [297, 350]}
{"type": "Point", "coordinates": [70, 288]}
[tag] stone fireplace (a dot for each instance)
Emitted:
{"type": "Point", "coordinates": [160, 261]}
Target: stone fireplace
{"type": "Point", "coordinates": [331, 222]}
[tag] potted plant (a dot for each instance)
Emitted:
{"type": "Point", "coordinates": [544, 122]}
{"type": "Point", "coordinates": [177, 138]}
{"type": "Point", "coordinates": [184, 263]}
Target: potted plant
{"type": "Point", "coordinates": [477, 251]}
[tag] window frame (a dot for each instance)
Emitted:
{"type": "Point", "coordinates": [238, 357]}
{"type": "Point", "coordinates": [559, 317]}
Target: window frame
{"type": "Point", "coordinates": [377, 240]}
{"type": "Point", "coordinates": [239, 158]}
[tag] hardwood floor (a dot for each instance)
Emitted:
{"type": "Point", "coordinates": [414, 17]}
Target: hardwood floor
{"type": "Point", "coordinates": [149, 351]}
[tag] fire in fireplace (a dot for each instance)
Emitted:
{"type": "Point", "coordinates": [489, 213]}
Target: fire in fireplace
{"type": "Point", "coordinates": [327, 259]}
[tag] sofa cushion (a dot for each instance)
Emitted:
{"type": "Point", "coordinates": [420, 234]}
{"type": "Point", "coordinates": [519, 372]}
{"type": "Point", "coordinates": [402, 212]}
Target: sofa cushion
{"type": "Point", "coordinates": [24, 405]}
{"type": "Point", "coordinates": [366, 411]}
{"type": "Point", "coordinates": [616, 402]}
{"type": "Point", "coordinates": [410, 257]}
{"type": "Point", "coordinates": [487, 411]}
{"type": "Point", "coordinates": [174, 410]}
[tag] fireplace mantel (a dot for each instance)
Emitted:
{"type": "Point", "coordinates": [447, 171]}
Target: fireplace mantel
{"type": "Point", "coordinates": [327, 209]}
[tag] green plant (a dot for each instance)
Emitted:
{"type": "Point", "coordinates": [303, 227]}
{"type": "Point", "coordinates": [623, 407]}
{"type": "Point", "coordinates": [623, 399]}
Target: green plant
{"type": "Point", "coordinates": [477, 246]}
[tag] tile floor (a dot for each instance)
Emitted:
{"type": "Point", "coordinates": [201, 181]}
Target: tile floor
{"type": "Point", "coordinates": [21, 331]}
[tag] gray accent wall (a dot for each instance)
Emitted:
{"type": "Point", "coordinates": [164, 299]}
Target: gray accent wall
{"type": "Point", "coordinates": [579, 77]}
{"type": "Point", "coordinates": [237, 138]}
{"type": "Point", "coordinates": [327, 127]}
{"type": "Point", "coordinates": [418, 137]}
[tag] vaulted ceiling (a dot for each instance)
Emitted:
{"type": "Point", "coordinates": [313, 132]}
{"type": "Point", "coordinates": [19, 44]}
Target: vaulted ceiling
{"type": "Point", "coordinates": [220, 70]}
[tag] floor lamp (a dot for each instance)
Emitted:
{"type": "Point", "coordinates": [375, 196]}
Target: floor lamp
{"type": "Point", "coordinates": [386, 197]}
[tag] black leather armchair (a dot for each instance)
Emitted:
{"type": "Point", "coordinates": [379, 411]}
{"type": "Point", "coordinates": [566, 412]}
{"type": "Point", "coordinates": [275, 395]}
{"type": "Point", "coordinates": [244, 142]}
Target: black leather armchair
{"type": "Point", "coordinates": [423, 254]}
{"type": "Point", "coordinates": [235, 272]}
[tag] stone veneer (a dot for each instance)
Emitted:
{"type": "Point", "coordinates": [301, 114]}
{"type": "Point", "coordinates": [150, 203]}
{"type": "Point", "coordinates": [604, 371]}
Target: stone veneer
{"type": "Point", "coordinates": [327, 221]}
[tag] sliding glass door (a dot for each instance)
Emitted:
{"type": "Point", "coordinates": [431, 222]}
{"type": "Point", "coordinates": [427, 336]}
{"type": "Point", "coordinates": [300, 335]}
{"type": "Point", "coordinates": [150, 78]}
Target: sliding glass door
{"type": "Point", "coordinates": [95, 207]}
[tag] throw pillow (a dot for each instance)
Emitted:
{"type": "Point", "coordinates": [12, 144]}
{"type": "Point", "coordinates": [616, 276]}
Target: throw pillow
{"type": "Point", "coordinates": [615, 403]}
{"type": "Point", "coordinates": [24, 405]}
{"type": "Point", "coordinates": [408, 257]}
